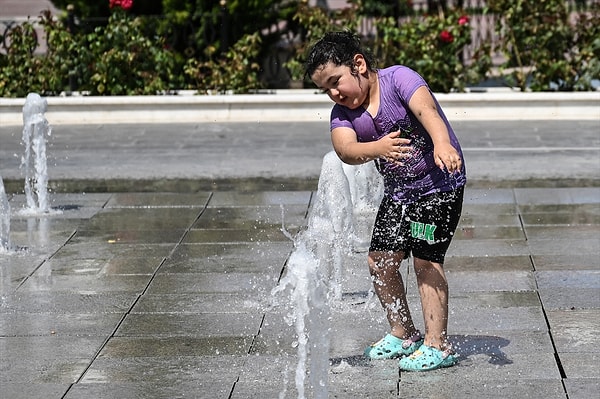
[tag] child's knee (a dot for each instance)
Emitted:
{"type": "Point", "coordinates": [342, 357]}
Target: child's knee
{"type": "Point", "coordinates": [383, 263]}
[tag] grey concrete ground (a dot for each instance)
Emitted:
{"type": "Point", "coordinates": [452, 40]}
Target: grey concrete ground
{"type": "Point", "coordinates": [167, 293]}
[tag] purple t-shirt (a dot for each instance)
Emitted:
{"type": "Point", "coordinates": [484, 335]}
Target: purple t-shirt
{"type": "Point", "coordinates": [419, 176]}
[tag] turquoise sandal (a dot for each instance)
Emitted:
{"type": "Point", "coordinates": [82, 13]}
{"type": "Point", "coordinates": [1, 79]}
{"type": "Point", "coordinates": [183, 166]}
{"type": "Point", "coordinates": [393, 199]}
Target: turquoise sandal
{"type": "Point", "coordinates": [391, 347]}
{"type": "Point", "coordinates": [427, 358]}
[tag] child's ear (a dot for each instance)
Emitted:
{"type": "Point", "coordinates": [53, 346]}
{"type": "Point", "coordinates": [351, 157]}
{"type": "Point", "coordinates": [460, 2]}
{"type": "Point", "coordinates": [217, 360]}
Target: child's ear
{"type": "Point", "coordinates": [360, 64]}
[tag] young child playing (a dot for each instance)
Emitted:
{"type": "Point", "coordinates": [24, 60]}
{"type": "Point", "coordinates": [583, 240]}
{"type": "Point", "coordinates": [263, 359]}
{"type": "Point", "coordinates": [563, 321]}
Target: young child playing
{"type": "Point", "coordinates": [391, 117]}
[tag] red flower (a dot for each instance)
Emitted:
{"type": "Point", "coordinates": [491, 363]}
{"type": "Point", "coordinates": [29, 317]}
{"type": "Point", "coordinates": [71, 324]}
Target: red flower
{"type": "Point", "coordinates": [124, 4]}
{"type": "Point", "coordinates": [446, 36]}
{"type": "Point", "coordinates": [463, 20]}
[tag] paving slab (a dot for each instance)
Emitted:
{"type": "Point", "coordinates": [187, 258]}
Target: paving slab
{"type": "Point", "coordinates": [582, 388]}
{"type": "Point", "coordinates": [575, 330]}
{"type": "Point", "coordinates": [498, 389]}
{"type": "Point", "coordinates": [569, 298]}
{"type": "Point", "coordinates": [19, 390]}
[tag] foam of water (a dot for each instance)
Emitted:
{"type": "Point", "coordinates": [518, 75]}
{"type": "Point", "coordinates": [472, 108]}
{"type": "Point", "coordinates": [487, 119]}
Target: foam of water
{"type": "Point", "coordinates": [313, 279]}
{"type": "Point", "coordinates": [34, 160]}
{"type": "Point", "coordinates": [4, 220]}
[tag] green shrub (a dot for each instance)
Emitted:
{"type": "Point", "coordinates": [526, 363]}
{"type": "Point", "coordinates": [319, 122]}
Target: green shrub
{"type": "Point", "coordinates": [123, 61]}
{"type": "Point", "coordinates": [433, 46]}
{"type": "Point", "coordinates": [236, 70]}
{"type": "Point", "coordinates": [544, 49]}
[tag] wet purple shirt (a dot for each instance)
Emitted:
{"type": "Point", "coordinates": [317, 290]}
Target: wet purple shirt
{"type": "Point", "coordinates": [419, 176]}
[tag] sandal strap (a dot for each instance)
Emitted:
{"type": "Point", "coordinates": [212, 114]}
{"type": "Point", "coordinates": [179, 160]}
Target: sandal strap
{"type": "Point", "coordinates": [409, 341]}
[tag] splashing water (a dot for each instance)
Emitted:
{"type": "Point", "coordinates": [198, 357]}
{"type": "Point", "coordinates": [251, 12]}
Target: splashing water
{"type": "Point", "coordinates": [4, 220]}
{"type": "Point", "coordinates": [313, 277]}
{"type": "Point", "coordinates": [35, 130]}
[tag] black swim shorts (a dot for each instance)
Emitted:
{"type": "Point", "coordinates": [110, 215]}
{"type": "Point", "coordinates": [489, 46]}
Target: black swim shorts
{"type": "Point", "coordinates": [424, 228]}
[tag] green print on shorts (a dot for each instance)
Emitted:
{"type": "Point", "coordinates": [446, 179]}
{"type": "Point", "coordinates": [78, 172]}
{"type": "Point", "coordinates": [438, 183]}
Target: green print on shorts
{"type": "Point", "coordinates": [422, 231]}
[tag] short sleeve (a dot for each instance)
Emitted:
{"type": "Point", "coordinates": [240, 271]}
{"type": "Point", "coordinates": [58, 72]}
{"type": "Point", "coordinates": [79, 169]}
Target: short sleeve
{"type": "Point", "coordinates": [407, 82]}
{"type": "Point", "coordinates": [339, 118]}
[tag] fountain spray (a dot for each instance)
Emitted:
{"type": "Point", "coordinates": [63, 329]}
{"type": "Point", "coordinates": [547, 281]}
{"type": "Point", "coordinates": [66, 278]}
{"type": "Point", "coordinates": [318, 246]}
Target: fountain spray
{"type": "Point", "coordinates": [35, 130]}
{"type": "Point", "coordinates": [4, 219]}
{"type": "Point", "coordinates": [314, 271]}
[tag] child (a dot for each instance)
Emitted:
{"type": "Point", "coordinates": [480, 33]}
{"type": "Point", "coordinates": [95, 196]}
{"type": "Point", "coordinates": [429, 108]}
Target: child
{"type": "Point", "coordinates": [390, 116]}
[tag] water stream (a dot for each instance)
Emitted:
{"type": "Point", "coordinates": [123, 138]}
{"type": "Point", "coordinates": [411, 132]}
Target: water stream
{"type": "Point", "coordinates": [339, 222]}
{"type": "Point", "coordinates": [4, 220]}
{"type": "Point", "coordinates": [34, 160]}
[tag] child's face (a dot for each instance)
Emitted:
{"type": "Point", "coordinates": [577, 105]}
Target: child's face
{"type": "Point", "coordinates": [344, 87]}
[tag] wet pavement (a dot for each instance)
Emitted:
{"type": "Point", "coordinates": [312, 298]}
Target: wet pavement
{"type": "Point", "coordinates": [152, 278]}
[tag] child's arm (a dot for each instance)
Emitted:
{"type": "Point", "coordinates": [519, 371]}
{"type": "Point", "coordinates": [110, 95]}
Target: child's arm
{"type": "Point", "coordinates": [353, 152]}
{"type": "Point", "coordinates": [423, 106]}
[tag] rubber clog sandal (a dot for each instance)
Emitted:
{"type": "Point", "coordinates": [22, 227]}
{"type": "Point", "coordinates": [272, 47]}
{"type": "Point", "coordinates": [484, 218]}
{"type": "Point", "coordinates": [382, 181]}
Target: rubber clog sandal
{"type": "Point", "coordinates": [391, 347]}
{"type": "Point", "coordinates": [427, 358]}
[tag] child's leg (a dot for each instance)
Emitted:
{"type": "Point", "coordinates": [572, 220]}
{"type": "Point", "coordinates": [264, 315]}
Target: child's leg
{"type": "Point", "coordinates": [433, 288]}
{"type": "Point", "coordinates": [387, 281]}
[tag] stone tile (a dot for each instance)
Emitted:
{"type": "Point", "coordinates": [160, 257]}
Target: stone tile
{"type": "Point", "coordinates": [133, 219]}
{"type": "Point", "coordinates": [67, 200]}
{"type": "Point", "coordinates": [579, 195]}
{"type": "Point", "coordinates": [86, 284]}
{"type": "Point", "coordinates": [569, 279]}
{"type": "Point", "coordinates": [488, 196]}
{"type": "Point", "coordinates": [166, 371]}
{"type": "Point", "coordinates": [63, 206]}
{"type": "Point", "coordinates": [291, 216]}
{"type": "Point", "coordinates": [488, 232]}
{"type": "Point", "coordinates": [235, 199]}
{"type": "Point", "coordinates": [570, 209]}
{"type": "Point", "coordinates": [495, 299]}
{"type": "Point", "coordinates": [20, 390]}
{"type": "Point", "coordinates": [16, 268]}
{"type": "Point", "coordinates": [573, 298]}
{"type": "Point", "coordinates": [499, 347]}
{"type": "Point", "coordinates": [44, 324]}
{"type": "Point", "coordinates": [488, 247]}
{"type": "Point", "coordinates": [488, 263]}
{"type": "Point", "coordinates": [448, 387]}
{"type": "Point", "coordinates": [234, 302]}
{"type": "Point", "coordinates": [236, 236]}
{"type": "Point", "coordinates": [103, 250]}
{"type": "Point", "coordinates": [227, 258]}
{"type": "Point", "coordinates": [584, 261]}
{"type": "Point", "coordinates": [115, 266]}
{"type": "Point", "coordinates": [41, 235]}
{"type": "Point", "coordinates": [580, 365]}
{"type": "Point", "coordinates": [497, 319]}
{"type": "Point", "coordinates": [129, 236]}
{"type": "Point", "coordinates": [214, 389]}
{"type": "Point", "coordinates": [362, 379]}
{"type": "Point", "coordinates": [486, 210]}
{"type": "Point", "coordinates": [490, 218]}
{"type": "Point", "coordinates": [575, 331]}
{"type": "Point", "coordinates": [582, 388]}
{"type": "Point", "coordinates": [355, 378]}
{"type": "Point", "coordinates": [565, 246]}
{"type": "Point", "coordinates": [572, 232]}
{"type": "Point", "coordinates": [190, 325]}
{"type": "Point", "coordinates": [565, 220]}
{"type": "Point", "coordinates": [66, 302]}
{"type": "Point", "coordinates": [482, 367]}
{"type": "Point", "coordinates": [490, 281]}
{"type": "Point", "coordinates": [158, 200]}
{"type": "Point", "coordinates": [260, 284]}
{"type": "Point", "coordinates": [133, 347]}
{"type": "Point", "coordinates": [46, 359]}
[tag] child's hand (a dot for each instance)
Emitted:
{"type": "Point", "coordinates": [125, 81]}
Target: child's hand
{"type": "Point", "coordinates": [395, 149]}
{"type": "Point", "coordinates": [446, 156]}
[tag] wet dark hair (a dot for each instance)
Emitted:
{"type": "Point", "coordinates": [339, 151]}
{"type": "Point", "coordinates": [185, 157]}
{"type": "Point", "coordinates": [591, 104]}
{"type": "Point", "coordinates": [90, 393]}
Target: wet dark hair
{"type": "Point", "coordinates": [338, 48]}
